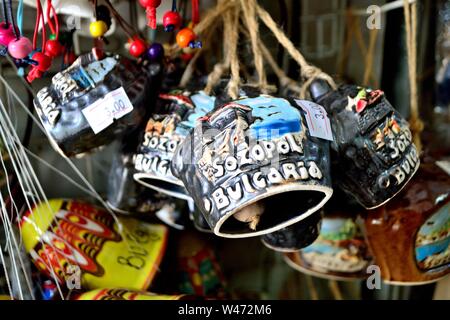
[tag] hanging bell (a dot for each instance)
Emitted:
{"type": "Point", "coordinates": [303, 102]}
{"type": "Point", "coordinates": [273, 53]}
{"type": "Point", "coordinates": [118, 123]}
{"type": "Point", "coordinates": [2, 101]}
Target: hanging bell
{"type": "Point", "coordinates": [246, 160]}
{"type": "Point", "coordinates": [296, 236]}
{"type": "Point", "coordinates": [373, 154]}
{"type": "Point", "coordinates": [166, 129]}
{"type": "Point", "coordinates": [410, 235]}
{"type": "Point", "coordinates": [124, 195]}
{"type": "Point", "coordinates": [94, 101]}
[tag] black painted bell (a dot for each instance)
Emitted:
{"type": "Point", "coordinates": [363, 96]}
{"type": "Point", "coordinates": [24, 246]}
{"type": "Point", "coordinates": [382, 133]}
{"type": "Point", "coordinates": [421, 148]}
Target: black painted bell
{"type": "Point", "coordinates": [373, 156]}
{"type": "Point", "coordinates": [252, 167]}
{"type": "Point", "coordinates": [296, 236]}
{"type": "Point", "coordinates": [96, 100]}
{"type": "Point", "coordinates": [126, 196]}
{"type": "Point", "coordinates": [165, 130]}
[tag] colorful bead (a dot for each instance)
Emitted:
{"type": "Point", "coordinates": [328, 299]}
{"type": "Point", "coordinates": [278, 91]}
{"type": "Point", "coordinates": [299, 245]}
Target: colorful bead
{"type": "Point", "coordinates": [6, 34]}
{"type": "Point", "coordinates": [53, 48]}
{"type": "Point", "coordinates": [171, 21]}
{"type": "Point", "coordinates": [20, 48]}
{"type": "Point", "coordinates": [186, 38]}
{"type": "Point", "coordinates": [44, 61]}
{"type": "Point", "coordinates": [98, 28]}
{"type": "Point", "coordinates": [137, 47]}
{"type": "Point", "coordinates": [155, 51]}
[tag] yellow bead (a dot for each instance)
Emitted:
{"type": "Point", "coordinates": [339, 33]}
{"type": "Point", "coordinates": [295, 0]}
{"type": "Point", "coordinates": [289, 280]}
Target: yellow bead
{"type": "Point", "coordinates": [98, 28]}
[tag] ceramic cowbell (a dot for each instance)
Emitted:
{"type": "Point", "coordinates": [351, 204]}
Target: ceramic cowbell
{"type": "Point", "coordinates": [96, 100]}
{"type": "Point", "coordinates": [252, 166]}
{"type": "Point", "coordinates": [410, 236]}
{"type": "Point", "coordinates": [65, 237]}
{"type": "Point", "coordinates": [126, 196]}
{"type": "Point", "coordinates": [340, 252]}
{"type": "Point", "coordinates": [166, 129]}
{"type": "Point", "coordinates": [373, 156]}
{"type": "Point", "coordinates": [296, 236]}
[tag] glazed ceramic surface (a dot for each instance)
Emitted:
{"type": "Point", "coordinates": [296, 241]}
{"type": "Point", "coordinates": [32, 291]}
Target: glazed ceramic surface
{"type": "Point", "coordinates": [165, 131]}
{"type": "Point", "coordinates": [125, 195]}
{"type": "Point", "coordinates": [69, 236]}
{"type": "Point", "coordinates": [373, 156]}
{"type": "Point", "coordinates": [410, 236]}
{"type": "Point", "coordinates": [96, 100]}
{"type": "Point", "coordinates": [296, 236]}
{"type": "Point", "coordinates": [254, 157]}
{"type": "Point", "coordinates": [340, 252]}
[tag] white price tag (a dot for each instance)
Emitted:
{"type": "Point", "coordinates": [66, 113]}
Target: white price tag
{"type": "Point", "coordinates": [102, 113]}
{"type": "Point", "coordinates": [317, 119]}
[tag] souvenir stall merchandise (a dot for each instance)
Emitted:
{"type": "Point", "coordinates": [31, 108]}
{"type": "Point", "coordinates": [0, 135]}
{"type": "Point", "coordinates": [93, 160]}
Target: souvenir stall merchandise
{"type": "Point", "coordinates": [205, 142]}
{"type": "Point", "coordinates": [419, 221]}
{"type": "Point", "coordinates": [66, 234]}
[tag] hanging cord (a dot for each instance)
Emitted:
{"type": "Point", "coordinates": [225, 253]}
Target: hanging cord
{"type": "Point", "coordinates": [128, 28]}
{"type": "Point", "coordinates": [11, 17]}
{"type": "Point", "coordinates": [353, 26]}
{"type": "Point", "coordinates": [53, 25]}
{"type": "Point", "coordinates": [415, 123]}
{"type": "Point", "coordinates": [174, 5]}
{"type": "Point", "coordinates": [5, 13]}
{"type": "Point", "coordinates": [285, 81]}
{"type": "Point", "coordinates": [232, 17]}
{"type": "Point", "coordinates": [207, 27]}
{"type": "Point", "coordinates": [249, 11]}
{"type": "Point", "coordinates": [20, 16]}
{"type": "Point", "coordinates": [195, 13]}
{"type": "Point", "coordinates": [368, 71]}
{"type": "Point", "coordinates": [308, 72]}
{"type": "Point", "coordinates": [220, 67]}
{"type": "Point", "coordinates": [39, 19]}
{"type": "Point", "coordinates": [95, 9]}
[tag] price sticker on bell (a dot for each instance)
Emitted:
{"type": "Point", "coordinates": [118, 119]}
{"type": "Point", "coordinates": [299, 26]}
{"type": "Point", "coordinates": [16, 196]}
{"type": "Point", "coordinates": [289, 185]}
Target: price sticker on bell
{"type": "Point", "coordinates": [101, 114]}
{"type": "Point", "coordinates": [316, 119]}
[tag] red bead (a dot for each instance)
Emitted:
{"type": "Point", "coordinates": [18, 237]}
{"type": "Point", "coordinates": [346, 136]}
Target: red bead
{"type": "Point", "coordinates": [6, 34]}
{"type": "Point", "coordinates": [53, 48]}
{"type": "Point", "coordinates": [44, 61]}
{"type": "Point", "coordinates": [150, 3]}
{"type": "Point", "coordinates": [171, 20]}
{"type": "Point", "coordinates": [185, 37]}
{"type": "Point", "coordinates": [137, 47]}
